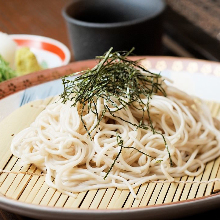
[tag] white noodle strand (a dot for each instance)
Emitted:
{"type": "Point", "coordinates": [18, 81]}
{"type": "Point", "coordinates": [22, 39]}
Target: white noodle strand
{"type": "Point", "coordinates": [58, 143]}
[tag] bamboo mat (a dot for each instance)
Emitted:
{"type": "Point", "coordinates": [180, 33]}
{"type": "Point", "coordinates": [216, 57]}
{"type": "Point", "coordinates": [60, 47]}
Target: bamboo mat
{"type": "Point", "coordinates": [26, 183]}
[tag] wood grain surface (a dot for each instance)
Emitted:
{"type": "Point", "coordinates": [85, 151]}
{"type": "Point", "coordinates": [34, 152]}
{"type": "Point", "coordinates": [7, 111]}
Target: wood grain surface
{"type": "Point", "coordinates": [41, 17]}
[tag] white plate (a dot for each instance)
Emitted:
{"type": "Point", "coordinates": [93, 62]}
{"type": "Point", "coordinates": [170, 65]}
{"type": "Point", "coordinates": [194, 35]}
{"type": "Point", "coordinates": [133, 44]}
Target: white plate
{"type": "Point", "coordinates": [49, 52]}
{"type": "Point", "coordinates": [197, 77]}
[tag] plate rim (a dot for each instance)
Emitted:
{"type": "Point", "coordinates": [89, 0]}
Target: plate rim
{"type": "Point", "coordinates": [193, 205]}
{"type": "Point", "coordinates": [58, 72]}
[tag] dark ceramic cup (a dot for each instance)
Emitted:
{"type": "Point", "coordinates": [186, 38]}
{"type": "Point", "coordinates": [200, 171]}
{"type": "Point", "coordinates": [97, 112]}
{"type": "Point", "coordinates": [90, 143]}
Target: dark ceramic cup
{"type": "Point", "coordinates": [96, 25]}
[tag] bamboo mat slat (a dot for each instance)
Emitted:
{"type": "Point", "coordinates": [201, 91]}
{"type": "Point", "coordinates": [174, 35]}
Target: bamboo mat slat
{"type": "Point", "coordinates": [23, 183]}
{"type": "Point", "coordinates": [121, 200]}
{"type": "Point", "coordinates": [40, 191]}
{"type": "Point", "coordinates": [30, 186]}
{"type": "Point", "coordinates": [49, 194]}
{"type": "Point", "coordinates": [213, 175]}
{"type": "Point", "coordinates": [179, 190]}
{"type": "Point", "coordinates": [88, 199]}
{"type": "Point", "coordinates": [79, 199]}
{"type": "Point", "coordinates": [98, 198]}
{"type": "Point", "coordinates": [186, 189]}
{"type": "Point", "coordinates": [105, 201]}
{"type": "Point", "coordinates": [131, 199]}
{"type": "Point", "coordinates": [171, 192]}
{"type": "Point", "coordinates": [9, 166]}
{"type": "Point", "coordinates": [9, 177]}
{"type": "Point", "coordinates": [163, 193]}
{"type": "Point", "coordinates": [147, 195]}
{"type": "Point", "coordinates": [52, 201]}
{"type": "Point", "coordinates": [217, 184]}
{"type": "Point", "coordinates": [194, 187]}
{"type": "Point", "coordinates": [61, 201]}
{"type": "Point", "coordinates": [202, 187]}
{"type": "Point", "coordinates": [140, 194]}
{"type": "Point", "coordinates": [27, 183]}
{"type": "Point", "coordinates": [114, 198]}
{"type": "Point", "coordinates": [155, 193]}
{"type": "Point", "coordinates": [69, 202]}
{"type": "Point", "coordinates": [16, 182]}
{"type": "Point", "coordinates": [34, 193]}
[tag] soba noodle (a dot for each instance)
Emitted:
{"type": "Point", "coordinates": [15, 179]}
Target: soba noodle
{"type": "Point", "coordinates": [58, 143]}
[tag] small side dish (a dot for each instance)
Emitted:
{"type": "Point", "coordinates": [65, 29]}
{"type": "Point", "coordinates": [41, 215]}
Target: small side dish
{"type": "Point", "coordinates": [25, 54]}
{"type": "Point", "coordinates": [14, 60]}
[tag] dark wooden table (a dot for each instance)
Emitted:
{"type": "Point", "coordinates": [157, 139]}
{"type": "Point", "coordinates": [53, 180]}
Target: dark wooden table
{"type": "Point", "coordinates": [191, 29]}
{"type": "Point", "coordinates": [41, 17]}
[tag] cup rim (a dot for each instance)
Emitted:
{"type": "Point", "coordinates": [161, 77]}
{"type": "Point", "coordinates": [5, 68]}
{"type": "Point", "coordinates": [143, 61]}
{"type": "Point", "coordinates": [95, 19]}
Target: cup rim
{"type": "Point", "coordinates": [112, 24]}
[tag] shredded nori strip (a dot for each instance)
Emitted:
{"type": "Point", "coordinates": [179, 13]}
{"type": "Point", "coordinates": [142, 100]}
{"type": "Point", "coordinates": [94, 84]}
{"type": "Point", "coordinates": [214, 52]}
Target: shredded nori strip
{"type": "Point", "coordinates": [115, 76]}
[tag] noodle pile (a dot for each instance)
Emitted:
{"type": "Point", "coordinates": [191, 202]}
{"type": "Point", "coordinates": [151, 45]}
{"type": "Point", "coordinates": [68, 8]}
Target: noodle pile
{"type": "Point", "coordinates": [116, 153]}
{"type": "Point", "coordinates": [58, 143]}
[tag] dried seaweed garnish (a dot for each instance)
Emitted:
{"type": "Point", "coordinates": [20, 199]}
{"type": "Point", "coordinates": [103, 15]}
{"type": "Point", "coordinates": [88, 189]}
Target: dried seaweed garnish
{"type": "Point", "coordinates": [115, 76]}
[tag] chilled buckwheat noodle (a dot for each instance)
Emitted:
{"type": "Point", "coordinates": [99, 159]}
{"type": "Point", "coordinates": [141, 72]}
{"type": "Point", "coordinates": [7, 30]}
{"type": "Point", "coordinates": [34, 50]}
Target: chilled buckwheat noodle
{"type": "Point", "coordinates": [58, 143]}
